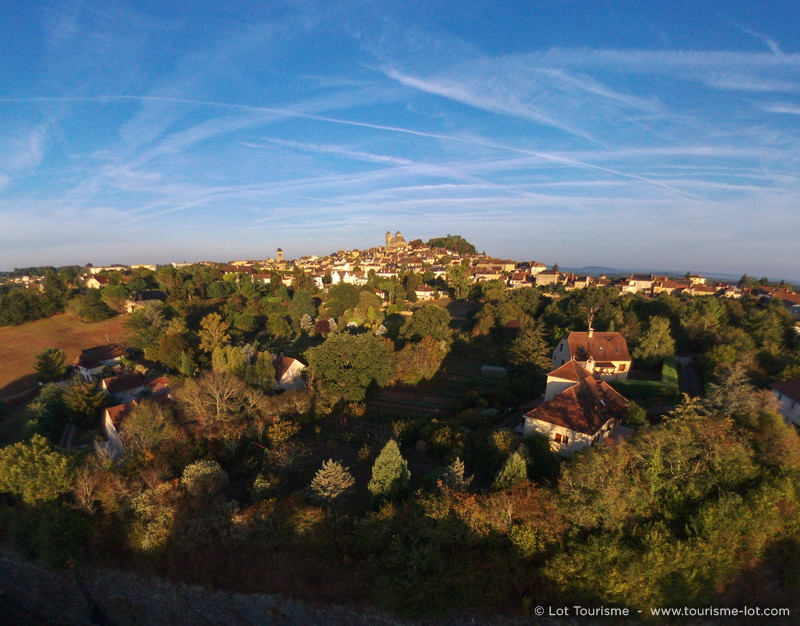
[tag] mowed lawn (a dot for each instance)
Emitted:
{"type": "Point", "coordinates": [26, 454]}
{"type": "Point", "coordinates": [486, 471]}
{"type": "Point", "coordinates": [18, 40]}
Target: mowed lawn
{"type": "Point", "coordinates": [19, 345]}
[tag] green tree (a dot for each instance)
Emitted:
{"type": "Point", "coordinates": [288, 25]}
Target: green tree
{"type": "Point", "coordinates": [115, 297]}
{"type": "Point", "coordinates": [530, 349]}
{"type": "Point", "coordinates": [146, 326]}
{"type": "Point", "coordinates": [186, 366]}
{"type": "Point", "coordinates": [351, 363]}
{"type": "Point", "coordinates": [420, 361]}
{"type": "Point", "coordinates": [331, 483]}
{"type": "Point", "coordinates": [229, 359]}
{"type": "Point", "coordinates": [93, 309]}
{"type": "Point", "coordinates": [514, 470]}
{"type": "Point", "coordinates": [428, 321]}
{"type": "Point", "coordinates": [213, 332]}
{"type": "Point", "coordinates": [455, 477]}
{"type": "Point", "coordinates": [341, 297]}
{"type": "Point", "coordinates": [46, 415]}
{"type": "Point", "coordinates": [262, 373]}
{"type": "Point", "coordinates": [83, 400]}
{"type": "Point", "coordinates": [51, 364]}
{"type": "Point", "coordinates": [656, 343]}
{"type": "Point", "coordinates": [585, 304]}
{"type": "Point", "coordinates": [35, 471]}
{"type": "Point", "coordinates": [700, 316]}
{"type": "Point", "coordinates": [390, 475]}
{"type": "Point", "coordinates": [302, 304]}
{"type": "Point", "coordinates": [454, 243]}
{"type": "Point", "coordinates": [204, 479]}
{"type": "Point", "coordinates": [458, 279]}
{"type": "Point", "coordinates": [169, 350]}
{"type": "Point", "coordinates": [55, 295]}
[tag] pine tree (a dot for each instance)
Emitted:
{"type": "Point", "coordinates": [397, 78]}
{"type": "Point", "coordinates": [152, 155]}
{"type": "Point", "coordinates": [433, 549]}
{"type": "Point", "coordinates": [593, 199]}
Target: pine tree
{"type": "Point", "coordinates": [454, 476]}
{"type": "Point", "coordinates": [390, 473]}
{"type": "Point", "coordinates": [51, 364]}
{"type": "Point", "coordinates": [84, 401]}
{"type": "Point", "coordinates": [513, 471]}
{"type": "Point", "coordinates": [331, 482]}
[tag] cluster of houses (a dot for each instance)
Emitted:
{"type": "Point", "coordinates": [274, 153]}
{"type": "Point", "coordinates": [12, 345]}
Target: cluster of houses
{"type": "Point", "coordinates": [579, 407]}
{"type": "Point", "coordinates": [126, 389]}
{"type": "Point", "coordinates": [397, 255]}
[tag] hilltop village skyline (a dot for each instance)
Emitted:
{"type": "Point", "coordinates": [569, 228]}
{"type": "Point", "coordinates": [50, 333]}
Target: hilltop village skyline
{"type": "Point", "coordinates": [398, 253]}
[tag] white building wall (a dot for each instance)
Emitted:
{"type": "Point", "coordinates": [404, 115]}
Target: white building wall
{"type": "Point", "coordinates": [555, 386]}
{"type": "Point", "coordinates": [114, 442]}
{"type": "Point", "coordinates": [790, 409]}
{"type": "Point", "coordinates": [577, 441]}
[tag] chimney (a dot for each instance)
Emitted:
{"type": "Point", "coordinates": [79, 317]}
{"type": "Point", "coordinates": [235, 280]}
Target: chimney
{"type": "Point", "coordinates": [591, 332]}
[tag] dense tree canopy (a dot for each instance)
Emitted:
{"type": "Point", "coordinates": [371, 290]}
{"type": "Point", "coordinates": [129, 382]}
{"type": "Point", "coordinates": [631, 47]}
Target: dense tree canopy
{"type": "Point", "coordinates": [455, 243]}
{"type": "Point", "coordinates": [34, 470]}
{"type": "Point", "coordinates": [427, 321]}
{"type": "Point", "coordinates": [351, 363]}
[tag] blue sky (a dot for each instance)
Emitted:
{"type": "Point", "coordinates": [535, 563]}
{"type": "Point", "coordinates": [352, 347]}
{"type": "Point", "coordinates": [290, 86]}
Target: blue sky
{"type": "Point", "coordinates": [619, 133]}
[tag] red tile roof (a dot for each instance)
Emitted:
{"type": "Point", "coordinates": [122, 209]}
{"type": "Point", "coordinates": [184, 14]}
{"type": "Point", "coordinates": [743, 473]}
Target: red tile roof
{"type": "Point", "coordinates": [789, 388]}
{"type": "Point", "coordinates": [119, 412]}
{"type": "Point", "coordinates": [116, 413]}
{"type": "Point", "coordinates": [282, 365]}
{"type": "Point", "coordinates": [122, 382]}
{"type": "Point", "coordinates": [571, 370]}
{"type": "Point", "coordinates": [585, 407]}
{"type": "Point", "coordinates": [600, 346]}
{"type": "Point", "coordinates": [95, 357]}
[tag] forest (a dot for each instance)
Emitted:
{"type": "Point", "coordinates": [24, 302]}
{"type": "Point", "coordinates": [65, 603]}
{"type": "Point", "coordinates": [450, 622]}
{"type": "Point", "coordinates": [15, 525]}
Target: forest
{"type": "Point", "coordinates": [396, 477]}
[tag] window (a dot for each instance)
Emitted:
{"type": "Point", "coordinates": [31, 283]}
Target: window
{"type": "Point", "coordinates": [622, 367]}
{"type": "Point", "coordinates": [557, 437]}
{"type": "Point", "coordinates": [566, 439]}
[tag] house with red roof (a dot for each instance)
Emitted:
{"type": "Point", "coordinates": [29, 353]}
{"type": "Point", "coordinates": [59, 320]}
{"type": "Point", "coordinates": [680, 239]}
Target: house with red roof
{"type": "Point", "coordinates": [562, 378]}
{"type": "Point", "coordinates": [604, 354]}
{"type": "Point", "coordinates": [92, 360]}
{"type": "Point", "coordinates": [288, 373]}
{"type": "Point", "coordinates": [98, 282]}
{"type": "Point", "coordinates": [788, 394]}
{"type": "Point", "coordinates": [583, 414]}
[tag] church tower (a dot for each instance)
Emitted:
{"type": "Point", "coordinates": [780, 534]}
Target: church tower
{"type": "Point", "coordinates": [280, 255]}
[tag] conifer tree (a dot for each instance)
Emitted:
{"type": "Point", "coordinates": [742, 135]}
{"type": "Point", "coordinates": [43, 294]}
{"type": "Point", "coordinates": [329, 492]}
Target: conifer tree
{"type": "Point", "coordinates": [513, 471]}
{"type": "Point", "coordinates": [454, 476]}
{"type": "Point", "coordinates": [51, 364]}
{"type": "Point", "coordinates": [331, 482]}
{"type": "Point", "coordinates": [390, 473]}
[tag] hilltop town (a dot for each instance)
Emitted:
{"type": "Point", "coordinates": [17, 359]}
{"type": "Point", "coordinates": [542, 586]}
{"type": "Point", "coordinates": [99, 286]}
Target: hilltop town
{"type": "Point", "coordinates": [297, 413]}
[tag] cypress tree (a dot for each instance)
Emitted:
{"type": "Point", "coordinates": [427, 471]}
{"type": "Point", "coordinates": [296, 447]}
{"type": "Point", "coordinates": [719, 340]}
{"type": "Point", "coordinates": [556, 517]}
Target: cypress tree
{"type": "Point", "coordinates": [390, 473]}
{"type": "Point", "coordinates": [513, 471]}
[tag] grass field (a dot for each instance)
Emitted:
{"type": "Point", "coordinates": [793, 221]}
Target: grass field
{"type": "Point", "coordinates": [19, 345]}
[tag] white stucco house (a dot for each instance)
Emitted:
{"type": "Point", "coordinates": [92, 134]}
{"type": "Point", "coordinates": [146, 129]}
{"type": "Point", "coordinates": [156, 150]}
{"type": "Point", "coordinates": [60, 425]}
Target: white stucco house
{"type": "Point", "coordinates": [583, 414]}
